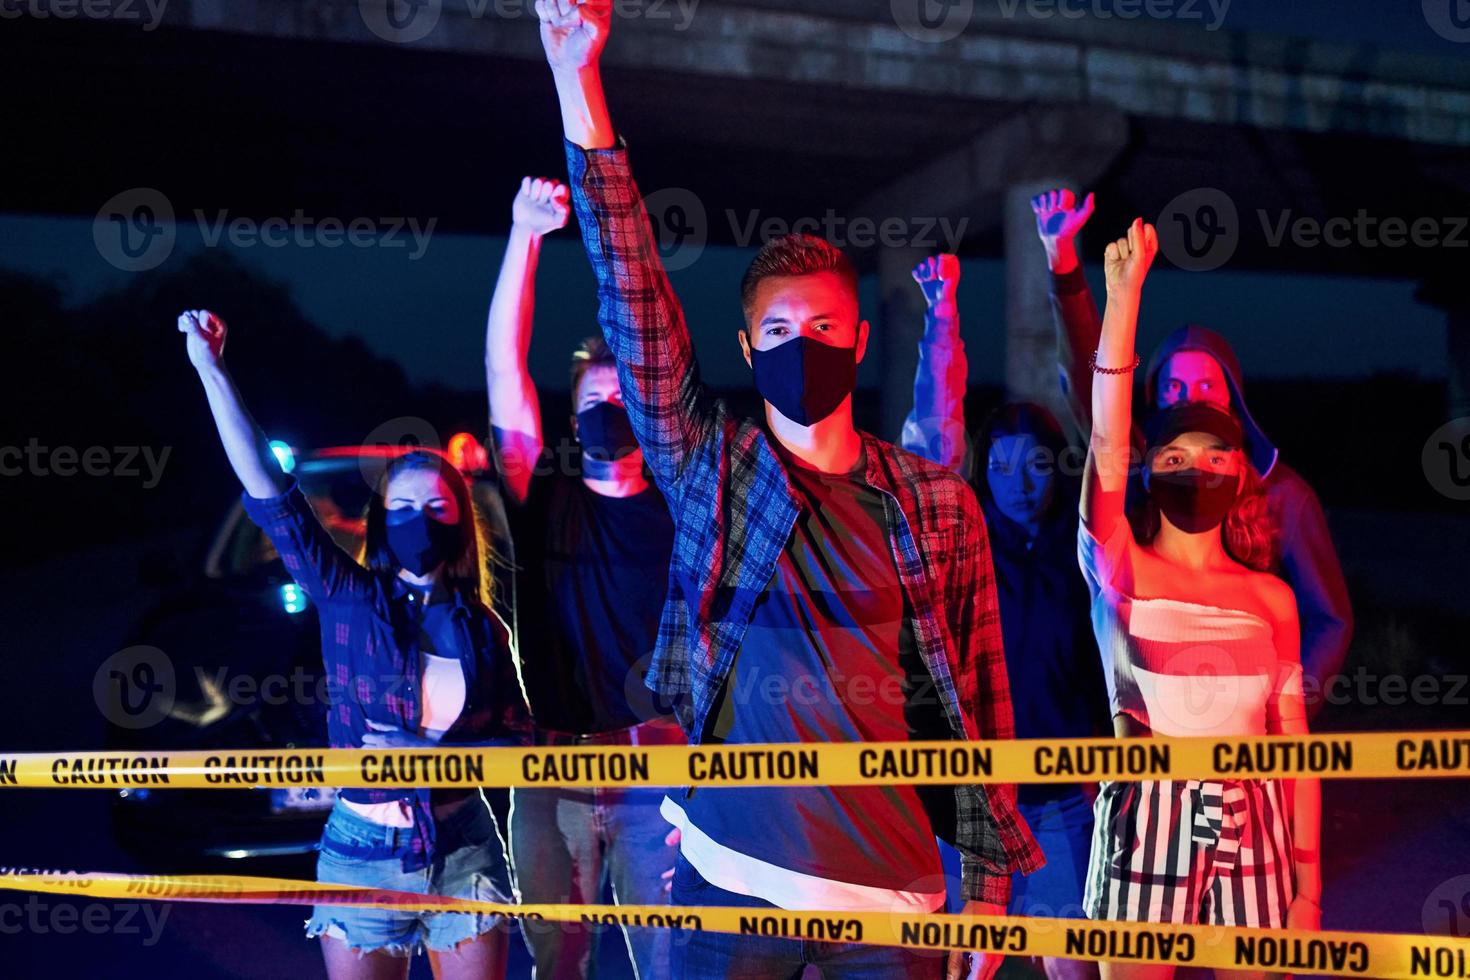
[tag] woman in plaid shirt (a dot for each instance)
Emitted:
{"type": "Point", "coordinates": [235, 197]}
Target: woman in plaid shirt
{"type": "Point", "coordinates": [414, 656]}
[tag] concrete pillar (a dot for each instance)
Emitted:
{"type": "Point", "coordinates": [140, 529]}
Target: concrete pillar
{"type": "Point", "coordinates": [1031, 350]}
{"type": "Point", "coordinates": [896, 334]}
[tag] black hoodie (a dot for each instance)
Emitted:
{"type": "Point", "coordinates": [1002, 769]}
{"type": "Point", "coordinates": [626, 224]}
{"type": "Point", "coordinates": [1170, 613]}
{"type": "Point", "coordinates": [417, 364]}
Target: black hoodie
{"type": "Point", "coordinates": [1305, 557]}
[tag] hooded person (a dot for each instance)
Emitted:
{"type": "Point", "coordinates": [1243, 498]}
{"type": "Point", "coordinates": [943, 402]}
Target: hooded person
{"type": "Point", "coordinates": [1195, 363]}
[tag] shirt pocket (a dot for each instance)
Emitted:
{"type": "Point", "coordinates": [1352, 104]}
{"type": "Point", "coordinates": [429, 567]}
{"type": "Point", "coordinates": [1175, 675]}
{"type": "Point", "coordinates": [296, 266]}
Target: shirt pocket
{"type": "Point", "coordinates": [940, 550]}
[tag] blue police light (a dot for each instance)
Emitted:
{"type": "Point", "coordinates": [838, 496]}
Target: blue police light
{"type": "Point", "coordinates": [284, 454]}
{"type": "Point", "coordinates": [292, 598]}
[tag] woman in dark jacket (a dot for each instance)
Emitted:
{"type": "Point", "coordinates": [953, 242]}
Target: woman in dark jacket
{"type": "Point", "coordinates": [414, 656]}
{"type": "Point", "coordinates": [1026, 477]}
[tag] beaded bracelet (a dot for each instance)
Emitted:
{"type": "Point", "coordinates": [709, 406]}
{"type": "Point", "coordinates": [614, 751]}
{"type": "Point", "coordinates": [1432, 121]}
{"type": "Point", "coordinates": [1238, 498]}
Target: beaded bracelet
{"type": "Point", "coordinates": [1092, 362]}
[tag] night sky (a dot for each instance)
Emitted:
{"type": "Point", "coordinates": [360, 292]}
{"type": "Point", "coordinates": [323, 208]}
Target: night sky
{"type": "Point", "coordinates": [428, 313]}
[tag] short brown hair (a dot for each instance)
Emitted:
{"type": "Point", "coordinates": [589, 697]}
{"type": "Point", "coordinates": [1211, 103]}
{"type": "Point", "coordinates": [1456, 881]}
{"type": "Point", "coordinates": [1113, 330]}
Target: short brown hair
{"type": "Point", "coordinates": [794, 255]}
{"type": "Point", "coordinates": [593, 353]}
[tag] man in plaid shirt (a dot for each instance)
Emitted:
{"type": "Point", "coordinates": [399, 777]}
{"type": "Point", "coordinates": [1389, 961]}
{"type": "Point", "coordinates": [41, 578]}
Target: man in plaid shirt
{"type": "Point", "coordinates": [806, 554]}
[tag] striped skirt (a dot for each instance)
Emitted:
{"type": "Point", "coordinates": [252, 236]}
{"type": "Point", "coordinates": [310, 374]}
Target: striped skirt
{"type": "Point", "coordinates": [1191, 851]}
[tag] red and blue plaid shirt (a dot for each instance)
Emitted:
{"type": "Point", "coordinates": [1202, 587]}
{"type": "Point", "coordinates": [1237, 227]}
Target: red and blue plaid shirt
{"type": "Point", "coordinates": [372, 660]}
{"type": "Point", "coordinates": [735, 508]}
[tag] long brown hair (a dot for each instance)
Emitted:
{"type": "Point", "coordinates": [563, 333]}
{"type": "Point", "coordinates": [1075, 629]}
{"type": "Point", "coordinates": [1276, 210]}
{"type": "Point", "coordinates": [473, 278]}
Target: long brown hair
{"type": "Point", "coordinates": [464, 573]}
{"type": "Point", "coordinates": [1248, 533]}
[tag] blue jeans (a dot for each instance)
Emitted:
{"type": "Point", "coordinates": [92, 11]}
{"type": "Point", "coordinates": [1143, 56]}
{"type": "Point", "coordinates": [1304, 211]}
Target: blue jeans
{"type": "Point", "coordinates": [1063, 829]}
{"type": "Point", "coordinates": [470, 863]}
{"type": "Point", "coordinates": [722, 956]}
{"type": "Point", "coordinates": [564, 844]}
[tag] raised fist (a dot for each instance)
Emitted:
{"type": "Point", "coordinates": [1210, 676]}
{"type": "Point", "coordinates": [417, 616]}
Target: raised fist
{"type": "Point", "coordinates": [204, 337]}
{"type": "Point", "coordinates": [938, 276]}
{"type": "Point", "coordinates": [541, 205]}
{"type": "Point", "coordinates": [1058, 215]}
{"type": "Point", "coordinates": [1126, 262]}
{"type": "Point", "coordinates": [573, 32]}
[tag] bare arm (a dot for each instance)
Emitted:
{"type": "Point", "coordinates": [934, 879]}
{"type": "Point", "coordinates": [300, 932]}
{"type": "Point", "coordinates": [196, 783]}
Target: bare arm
{"type": "Point", "coordinates": [935, 427]}
{"type": "Point", "coordinates": [1110, 449]}
{"type": "Point", "coordinates": [641, 318]}
{"type": "Point", "coordinates": [574, 33]}
{"type": "Point", "coordinates": [540, 207]}
{"type": "Point", "coordinates": [246, 446]}
{"type": "Point", "coordinates": [274, 502]}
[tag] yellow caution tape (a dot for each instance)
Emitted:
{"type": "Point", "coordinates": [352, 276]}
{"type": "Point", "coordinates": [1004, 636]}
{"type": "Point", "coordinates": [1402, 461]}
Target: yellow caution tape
{"type": "Point", "coordinates": [1272, 950]}
{"type": "Point", "coordinates": [1340, 756]}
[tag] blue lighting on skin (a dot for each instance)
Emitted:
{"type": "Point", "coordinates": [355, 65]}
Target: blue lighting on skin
{"type": "Point", "coordinates": [284, 455]}
{"type": "Point", "coordinates": [293, 598]}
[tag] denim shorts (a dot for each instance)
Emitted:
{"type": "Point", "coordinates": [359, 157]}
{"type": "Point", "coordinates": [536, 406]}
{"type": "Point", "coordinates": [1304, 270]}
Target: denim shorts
{"type": "Point", "coordinates": [470, 863]}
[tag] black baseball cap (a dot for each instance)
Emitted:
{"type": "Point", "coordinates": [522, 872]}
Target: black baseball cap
{"type": "Point", "coordinates": [1165, 425]}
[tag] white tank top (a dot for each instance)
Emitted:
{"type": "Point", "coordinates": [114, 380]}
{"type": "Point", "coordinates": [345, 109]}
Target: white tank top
{"type": "Point", "coordinates": [1184, 669]}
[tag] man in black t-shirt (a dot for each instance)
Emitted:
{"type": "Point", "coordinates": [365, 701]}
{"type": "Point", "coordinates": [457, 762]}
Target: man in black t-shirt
{"type": "Point", "coordinates": [591, 544]}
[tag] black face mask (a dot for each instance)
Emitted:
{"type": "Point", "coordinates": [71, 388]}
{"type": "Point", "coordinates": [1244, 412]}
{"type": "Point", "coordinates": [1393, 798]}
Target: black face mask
{"type": "Point", "coordinates": [805, 379]}
{"type": "Point", "coordinates": [1194, 500]}
{"type": "Point", "coordinates": [419, 543]}
{"type": "Point", "coordinates": [606, 436]}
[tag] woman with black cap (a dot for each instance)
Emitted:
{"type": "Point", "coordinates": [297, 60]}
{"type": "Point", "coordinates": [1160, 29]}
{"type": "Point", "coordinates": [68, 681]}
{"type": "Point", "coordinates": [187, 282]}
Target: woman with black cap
{"type": "Point", "coordinates": [1196, 640]}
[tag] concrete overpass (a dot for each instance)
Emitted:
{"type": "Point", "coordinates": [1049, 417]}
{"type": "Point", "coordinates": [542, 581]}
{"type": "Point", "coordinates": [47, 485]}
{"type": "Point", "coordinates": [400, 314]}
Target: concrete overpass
{"type": "Point", "coordinates": [756, 114]}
